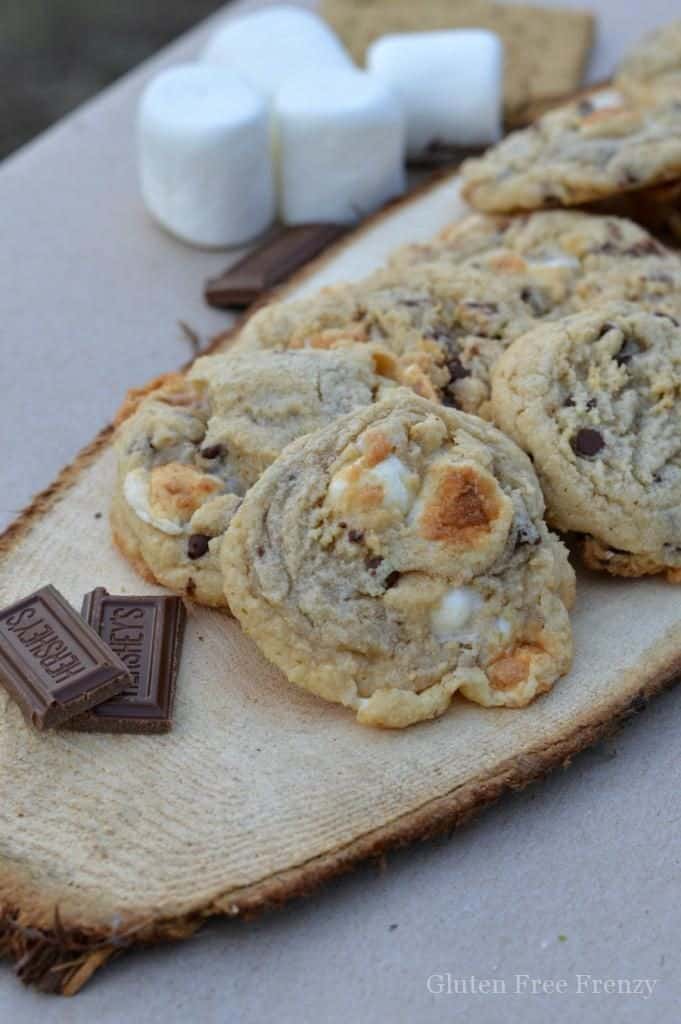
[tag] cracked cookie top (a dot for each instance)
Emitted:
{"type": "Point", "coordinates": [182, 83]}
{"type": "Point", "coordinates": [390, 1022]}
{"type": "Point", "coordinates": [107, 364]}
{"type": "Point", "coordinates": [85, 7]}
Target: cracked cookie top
{"type": "Point", "coordinates": [189, 450]}
{"type": "Point", "coordinates": [595, 399]}
{"type": "Point", "coordinates": [598, 147]}
{"type": "Point", "coordinates": [437, 332]}
{"type": "Point", "coordinates": [442, 312]}
{"type": "Point", "coordinates": [570, 259]}
{"type": "Point", "coordinates": [400, 556]}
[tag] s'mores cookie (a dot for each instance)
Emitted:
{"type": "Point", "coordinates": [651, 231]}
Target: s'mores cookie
{"type": "Point", "coordinates": [595, 399]}
{"type": "Point", "coordinates": [398, 557]}
{"type": "Point", "coordinates": [189, 450]}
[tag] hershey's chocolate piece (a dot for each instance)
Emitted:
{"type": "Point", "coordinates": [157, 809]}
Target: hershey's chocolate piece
{"type": "Point", "coordinates": [146, 634]}
{"type": "Point", "coordinates": [440, 154]}
{"type": "Point", "coordinates": [52, 663]}
{"type": "Point", "coordinates": [270, 263]}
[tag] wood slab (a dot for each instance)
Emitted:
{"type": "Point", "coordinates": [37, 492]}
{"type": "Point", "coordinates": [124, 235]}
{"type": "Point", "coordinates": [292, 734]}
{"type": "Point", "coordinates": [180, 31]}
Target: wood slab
{"type": "Point", "coordinates": [261, 791]}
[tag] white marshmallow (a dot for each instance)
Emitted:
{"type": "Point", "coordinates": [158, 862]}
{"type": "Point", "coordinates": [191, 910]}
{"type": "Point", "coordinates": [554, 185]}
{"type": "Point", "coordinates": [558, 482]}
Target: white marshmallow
{"type": "Point", "coordinates": [337, 489]}
{"type": "Point", "coordinates": [553, 256]}
{"type": "Point", "coordinates": [395, 478]}
{"type": "Point", "coordinates": [453, 612]}
{"type": "Point", "coordinates": [340, 138]}
{"type": "Point", "coordinates": [204, 156]}
{"type": "Point", "coordinates": [136, 491]}
{"type": "Point", "coordinates": [504, 627]}
{"type": "Point", "coordinates": [270, 46]}
{"type": "Point", "coordinates": [449, 84]}
{"type": "Point", "coordinates": [605, 99]}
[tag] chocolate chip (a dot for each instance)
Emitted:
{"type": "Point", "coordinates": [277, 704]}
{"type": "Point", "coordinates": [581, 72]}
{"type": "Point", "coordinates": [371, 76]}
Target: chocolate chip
{"type": "Point", "coordinates": [536, 300]}
{"type": "Point", "coordinates": [355, 536]}
{"type": "Point", "coordinates": [260, 551]}
{"type": "Point", "coordinates": [213, 451]}
{"type": "Point", "coordinates": [392, 578]}
{"type": "Point", "coordinates": [445, 336]}
{"type": "Point", "coordinates": [190, 588]}
{"type": "Point", "coordinates": [197, 545]}
{"type": "Point", "coordinates": [666, 316]}
{"type": "Point", "coordinates": [627, 352]}
{"type": "Point", "coordinates": [342, 526]}
{"type": "Point", "coordinates": [483, 307]}
{"type": "Point", "coordinates": [647, 247]}
{"type": "Point", "coordinates": [587, 442]}
{"type": "Point", "coordinates": [570, 402]}
{"type": "Point", "coordinates": [527, 534]}
{"type": "Point", "coordinates": [449, 400]}
{"type": "Point", "coordinates": [457, 371]}
{"type": "Point", "coordinates": [372, 564]}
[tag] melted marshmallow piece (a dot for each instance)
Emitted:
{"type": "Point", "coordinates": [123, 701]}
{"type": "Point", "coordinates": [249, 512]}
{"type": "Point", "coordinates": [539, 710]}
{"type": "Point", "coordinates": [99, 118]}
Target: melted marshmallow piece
{"type": "Point", "coordinates": [204, 155]}
{"type": "Point", "coordinates": [503, 627]}
{"type": "Point", "coordinates": [268, 47]}
{"type": "Point", "coordinates": [553, 256]}
{"type": "Point", "coordinates": [363, 486]}
{"type": "Point", "coordinates": [394, 478]}
{"type": "Point", "coordinates": [607, 99]}
{"type": "Point", "coordinates": [453, 612]}
{"type": "Point", "coordinates": [340, 137]}
{"type": "Point", "coordinates": [449, 85]}
{"type": "Point", "coordinates": [136, 489]}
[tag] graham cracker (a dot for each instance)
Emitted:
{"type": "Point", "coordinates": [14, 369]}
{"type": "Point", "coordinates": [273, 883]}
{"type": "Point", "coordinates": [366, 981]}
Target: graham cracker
{"type": "Point", "coordinates": [545, 49]}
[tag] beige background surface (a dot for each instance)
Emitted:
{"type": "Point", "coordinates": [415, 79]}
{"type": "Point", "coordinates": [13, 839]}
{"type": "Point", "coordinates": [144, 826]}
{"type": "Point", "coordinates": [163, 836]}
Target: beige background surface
{"type": "Point", "coordinates": [91, 298]}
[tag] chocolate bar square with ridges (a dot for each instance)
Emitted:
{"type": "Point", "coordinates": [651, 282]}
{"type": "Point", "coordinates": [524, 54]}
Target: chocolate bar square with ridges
{"type": "Point", "coordinates": [52, 663]}
{"type": "Point", "coordinates": [269, 264]}
{"type": "Point", "coordinates": [146, 634]}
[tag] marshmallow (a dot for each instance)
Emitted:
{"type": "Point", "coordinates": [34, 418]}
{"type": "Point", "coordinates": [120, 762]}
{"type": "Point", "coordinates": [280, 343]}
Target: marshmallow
{"type": "Point", "coordinates": [340, 137]}
{"type": "Point", "coordinates": [454, 611]}
{"type": "Point", "coordinates": [268, 47]}
{"type": "Point", "coordinates": [136, 491]}
{"type": "Point", "coordinates": [449, 84]}
{"type": "Point", "coordinates": [394, 478]}
{"type": "Point", "coordinates": [204, 155]}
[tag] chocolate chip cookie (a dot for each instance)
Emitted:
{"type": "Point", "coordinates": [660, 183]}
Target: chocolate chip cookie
{"type": "Point", "coordinates": [595, 400]}
{"type": "Point", "coordinates": [559, 261]}
{"type": "Point", "coordinates": [436, 331]}
{"type": "Point", "coordinates": [190, 448]}
{"type": "Point", "coordinates": [400, 556]}
{"type": "Point", "coordinates": [599, 147]}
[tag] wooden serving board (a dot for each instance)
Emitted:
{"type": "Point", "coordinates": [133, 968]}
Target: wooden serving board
{"type": "Point", "coordinates": [261, 791]}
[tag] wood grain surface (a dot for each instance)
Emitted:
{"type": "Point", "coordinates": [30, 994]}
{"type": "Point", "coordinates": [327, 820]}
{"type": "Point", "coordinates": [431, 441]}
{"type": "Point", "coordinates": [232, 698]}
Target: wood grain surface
{"type": "Point", "coordinates": [261, 791]}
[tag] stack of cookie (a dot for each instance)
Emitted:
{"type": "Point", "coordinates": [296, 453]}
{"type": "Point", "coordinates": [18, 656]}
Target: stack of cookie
{"type": "Point", "coordinates": [619, 149]}
{"type": "Point", "coordinates": [369, 478]}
